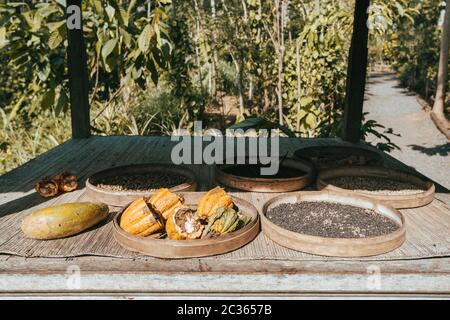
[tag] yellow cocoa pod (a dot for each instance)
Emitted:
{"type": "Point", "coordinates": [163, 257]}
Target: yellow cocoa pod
{"type": "Point", "coordinates": [184, 225]}
{"type": "Point", "coordinates": [141, 219]}
{"type": "Point", "coordinates": [213, 200]}
{"type": "Point", "coordinates": [63, 220]}
{"type": "Point", "coordinates": [165, 202]}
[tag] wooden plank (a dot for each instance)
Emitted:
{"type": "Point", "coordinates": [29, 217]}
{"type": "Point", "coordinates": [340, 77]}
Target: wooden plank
{"type": "Point", "coordinates": [78, 76]}
{"type": "Point", "coordinates": [102, 275]}
{"type": "Point", "coordinates": [356, 74]}
{"type": "Point", "coordinates": [91, 264]}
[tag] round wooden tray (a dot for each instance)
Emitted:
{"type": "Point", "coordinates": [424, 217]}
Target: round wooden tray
{"type": "Point", "coordinates": [334, 247]}
{"type": "Point", "coordinates": [268, 184]}
{"type": "Point", "coordinates": [122, 198]}
{"type": "Point", "coordinates": [363, 156]}
{"type": "Point", "coordinates": [176, 249]}
{"type": "Point", "coordinates": [396, 201]}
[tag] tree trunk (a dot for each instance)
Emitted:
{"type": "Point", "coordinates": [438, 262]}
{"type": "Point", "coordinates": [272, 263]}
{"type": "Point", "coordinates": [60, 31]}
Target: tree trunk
{"type": "Point", "coordinates": [250, 89]}
{"type": "Point", "coordinates": [281, 50]}
{"type": "Point", "coordinates": [439, 103]}
{"type": "Point", "coordinates": [239, 69]}
{"type": "Point", "coordinates": [215, 58]}
{"type": "Point", "coordinates": [299, 83]}
{"type": "Point", "coordinates": [267, 103]}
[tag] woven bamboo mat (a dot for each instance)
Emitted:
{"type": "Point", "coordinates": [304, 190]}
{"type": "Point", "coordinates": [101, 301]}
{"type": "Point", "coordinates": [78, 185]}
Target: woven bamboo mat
{"type": "Point", "coordinates": [428, 235]}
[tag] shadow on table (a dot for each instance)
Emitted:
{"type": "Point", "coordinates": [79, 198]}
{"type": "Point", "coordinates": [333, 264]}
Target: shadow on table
{"type": "Point", "coordinates": [442, 150]}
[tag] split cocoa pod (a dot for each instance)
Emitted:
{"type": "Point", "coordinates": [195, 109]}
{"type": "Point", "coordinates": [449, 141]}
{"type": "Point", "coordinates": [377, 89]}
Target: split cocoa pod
{"type": "Point", "coordinates": [184, 224]}
{"type": "Point", "coordinates": [165, 202]}
{"type": "Point", "coordinates": [146, 216]}
{"type": "Point", "coordinates": [141, 219]}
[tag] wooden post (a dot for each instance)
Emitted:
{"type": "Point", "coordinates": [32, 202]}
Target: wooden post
{"type": "Point", "coordinates": [356, 74]}
{"type": "Point", "coordinates": [78, 77]}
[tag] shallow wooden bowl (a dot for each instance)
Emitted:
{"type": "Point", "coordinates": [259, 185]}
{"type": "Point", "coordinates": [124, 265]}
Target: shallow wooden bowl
{"type": "Point", "coordinates": [365, 156]}
{"type": "Point", "coordinates": [334, 247]}
{"type": "Point", "coordinates": [396, 201]}
{"type": "Point", "coordinates": [176, 249]}
{"type": "Point", "coordinates": [269, 185]}
{"type": "Point", "coordinates": [122, 198]}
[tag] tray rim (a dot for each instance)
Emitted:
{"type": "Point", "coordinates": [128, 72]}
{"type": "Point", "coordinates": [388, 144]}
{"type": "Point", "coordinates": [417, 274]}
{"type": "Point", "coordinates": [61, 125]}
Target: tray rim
{"type": "Point", "coordinates": [397, 236]}
{"type": "Point", "coordinates": [114, 197]}
{"type": "Point", "coordinates": [378, 156]}
{"type": "Point", "coordinates": [263, 184]}
{"type": "Point", "coordinates": [252, 228]}
{"type": "Point", "coordinates": [396, 201]}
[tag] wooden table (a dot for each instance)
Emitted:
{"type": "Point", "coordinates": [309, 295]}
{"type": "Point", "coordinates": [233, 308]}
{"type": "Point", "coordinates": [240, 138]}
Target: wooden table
{"type": "Point", "coordinates": [124, 278]}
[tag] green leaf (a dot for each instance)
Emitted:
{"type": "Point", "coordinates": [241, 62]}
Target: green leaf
{"type": "Point", "coordinates": [400, 9]}
{"type": "Point", "coordinates": [144, 38]}
{"type": "Point", "coordinates": [55, 39]}
{"type": "Point", "coordinates": [48, 99]}
{"type": "Point", "coordinates": [3, 40]}
{"type": "Point", "coordinates": [310, 120]}
{"type": "Point", "coordinates": [98, 6]}
{"type": "Point", "coordinates": [15, 109]}
{"type": "Point", "coordinates": [108, 48]}
{"type": "Point", "coordinates": [62, 104]}
{"type": "Point", "coordinates": [131, 5]}
{"type": "Point", "coordinates": [251, 122]}
{"type": "Point", "coordinates": [125, 16]}
{"type": "Point", "coordinates": [258, 123]}
{"type": "Point", "coordinates": [126, 37]}
{"type": "Point", "coordinates": [110, 11]}
{"type": "Point", "coordinates": [306, 101]}
{"type": "Point", "coordinates": [151, 66]}
{"type": "Point", "coordinates": [52, 26]}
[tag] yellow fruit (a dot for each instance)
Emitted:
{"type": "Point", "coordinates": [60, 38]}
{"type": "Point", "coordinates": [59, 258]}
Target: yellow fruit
{"type": "Point", "coordinates": [165, 202]}
{"type": "Point", "coordinates": [213, 200]}
{"type": "Point", "coordinates": [63, 220]}
{"type": "Point", "coordinates": [141, 219]}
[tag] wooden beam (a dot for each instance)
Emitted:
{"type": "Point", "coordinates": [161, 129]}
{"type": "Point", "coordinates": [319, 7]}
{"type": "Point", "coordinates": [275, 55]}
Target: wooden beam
{"type": "Point", "coordinates": [356, 74]}
{"type": "Point", "coordinates": [78, 76]}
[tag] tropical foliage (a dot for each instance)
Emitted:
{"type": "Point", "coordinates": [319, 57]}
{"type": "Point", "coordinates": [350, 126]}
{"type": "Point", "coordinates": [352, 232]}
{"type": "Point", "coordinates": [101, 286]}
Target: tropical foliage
{"type": "Point", "coordinates": [159, 65]}
{"type": "Point", "coordinates": [413, 47]}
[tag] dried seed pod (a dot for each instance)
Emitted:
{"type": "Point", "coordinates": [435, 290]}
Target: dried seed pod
{"type": "Point", "coordinates": [225, 221]}
{"type": "Point", "coordinates": [47, 188]}
{"type": "Point", "coordinates": [165, 202]}
{"type": "Point", "coordinates": [67, 182]}
{"type": "Point", "coordinates": [213, 200]}
{"type": "Point", "coordinates": [141, 219]}
{"type": "Point", "coordinates": [184, 225]}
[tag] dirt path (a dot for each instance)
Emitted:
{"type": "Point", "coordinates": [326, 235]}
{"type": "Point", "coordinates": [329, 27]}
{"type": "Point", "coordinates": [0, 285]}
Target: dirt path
{"type": "Point", "coordinates": [422, 145]}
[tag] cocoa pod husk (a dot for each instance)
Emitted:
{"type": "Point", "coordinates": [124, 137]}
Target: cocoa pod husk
{"type": "Point", "coordinates": [67, 182]}
{"type": "Point", "coordinates": [184, 224]}
{"type": "Point", "coordinates": [47, 188]}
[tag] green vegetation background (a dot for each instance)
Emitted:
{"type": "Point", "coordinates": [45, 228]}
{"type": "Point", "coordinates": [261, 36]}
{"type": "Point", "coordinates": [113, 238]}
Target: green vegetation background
{"type": "Point", "coordinates": [155, 66]}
